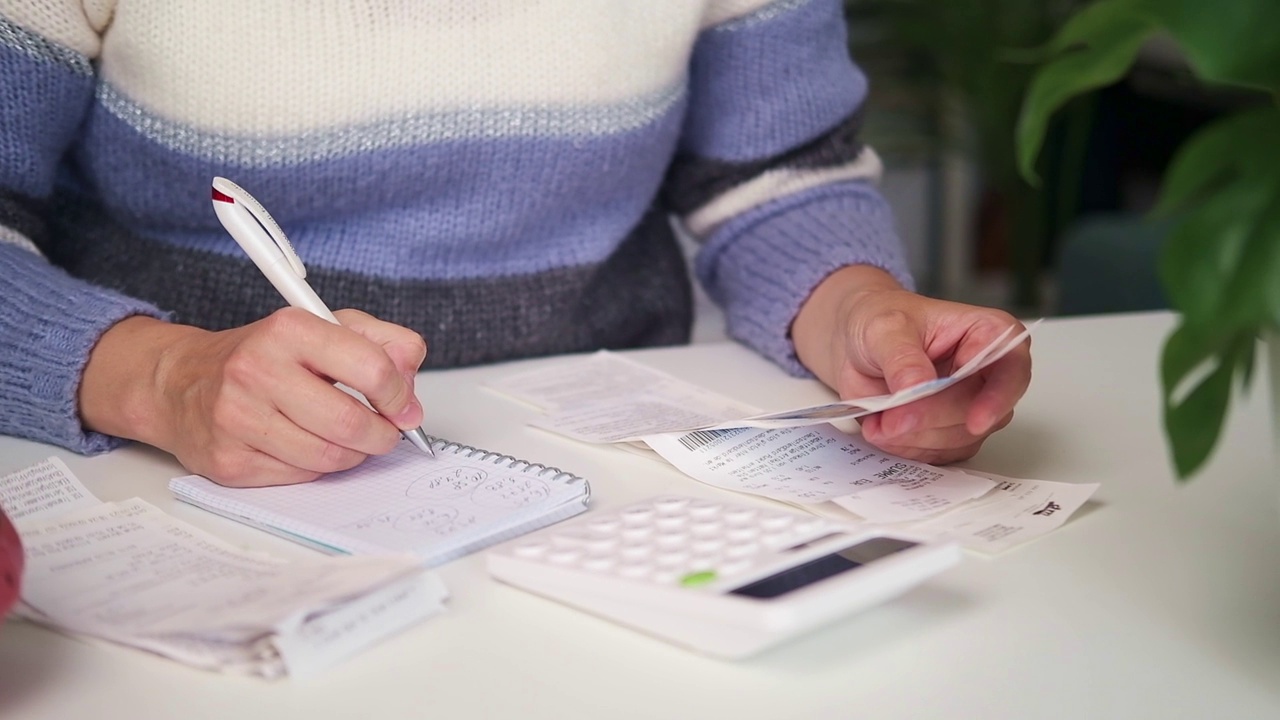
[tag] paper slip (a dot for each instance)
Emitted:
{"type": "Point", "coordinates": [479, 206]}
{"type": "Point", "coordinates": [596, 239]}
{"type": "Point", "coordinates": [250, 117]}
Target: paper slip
{"type": "Point", "coordinates": [604, 398]}
{"type": "Point", "coordinates": [1014, 512]}
{"type": "Point", "coordinates": [859, 407]}
{"type": "Point", "coordinates": [601, 378]}
{"type": "Point", "coordinates": [837, 475]}
{"type": "Point", "coordinates": [44, 489]}
{"type": "Point", "coordinates": [607, 398]}
{"type": "Point", "coordinates": [639, 417]}
{"type": "Point", "coordinates": [130, 574]}
{"type": "Point", "coordinates": [820, 464]}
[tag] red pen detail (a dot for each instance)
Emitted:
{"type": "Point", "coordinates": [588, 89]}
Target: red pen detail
{"type": "Point", "coordinates": [223, 197]}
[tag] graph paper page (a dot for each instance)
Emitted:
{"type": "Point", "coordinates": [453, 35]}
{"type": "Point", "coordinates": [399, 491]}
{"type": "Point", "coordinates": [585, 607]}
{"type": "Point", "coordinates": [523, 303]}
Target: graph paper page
{"type": "Point", "coordinates": [400, 502]}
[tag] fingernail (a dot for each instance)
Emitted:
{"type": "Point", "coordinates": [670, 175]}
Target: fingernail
{"type": "Point", "coordinates": [411, 416]}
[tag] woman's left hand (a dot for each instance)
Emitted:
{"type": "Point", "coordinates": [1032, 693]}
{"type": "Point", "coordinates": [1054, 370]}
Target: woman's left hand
{"type": "Point", "coordinates": [862, 334]}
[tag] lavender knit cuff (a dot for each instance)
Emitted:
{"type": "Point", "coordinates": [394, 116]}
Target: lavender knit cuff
{"type": "Point", "coordinates": [51, 322]}
{"type": "Point", "coordinates": [762, 265]}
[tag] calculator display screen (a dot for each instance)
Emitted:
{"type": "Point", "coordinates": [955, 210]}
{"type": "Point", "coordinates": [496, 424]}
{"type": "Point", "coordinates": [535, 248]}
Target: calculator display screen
{"type": "Point", "coordinates": [806, 574]}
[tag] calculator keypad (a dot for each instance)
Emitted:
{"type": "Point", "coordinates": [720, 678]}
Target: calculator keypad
{"type": "Point", "coordinates": [673, 540]}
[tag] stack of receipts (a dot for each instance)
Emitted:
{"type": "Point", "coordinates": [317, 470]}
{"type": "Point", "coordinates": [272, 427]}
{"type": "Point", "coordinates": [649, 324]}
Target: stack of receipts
{"type": "Point", "coordinates": [796, 456]}
{"type": "Point", "coordinates": [127, 573]}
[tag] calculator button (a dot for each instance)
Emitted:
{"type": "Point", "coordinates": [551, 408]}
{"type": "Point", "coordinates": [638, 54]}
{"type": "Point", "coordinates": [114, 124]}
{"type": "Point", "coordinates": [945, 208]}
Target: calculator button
{"type": "Point", "coordinates": [607, 525]}
{"type": "Point", "coordinates": [637, 515]}
{"type": "Point", "coordinates": [706, 528]}
{"type": "Point", "coordinates": [706, 545]}
{"type": "Point", "coordinates": [739, 516]}
{"type": "Point", "coordinates": [671, 559]}
{"type": "Point", "coordinates": [564, 557]}
{"type": "Point", "coordinates": [636, 571]}
{"type": "Point", "coordinates": [741, 534]}
{"type": "Point", "coordinates": [698, 579]}
{"type": "Point", "coordinates": [635, 552]}
{"type": "Point", "coordinates": [570, 538]}
{"type": "Point", "coordinates": [670, 523]}
{"type": "Point", "coordinates": [666, 576]}
{"type": "Point", "coordinates": [599, 564]}
{"type": "Point", "coordinates": [703, 510]}
{"type": "Point", "coordinates": [742, 550]}
{"type": "Point", "coordinates": [669, 541]}
{"type": "Point", "coordinates": [733, 567]}
{"type": "Point", "coordinates": [776, 522]}
{"type": "Point", "coordinates": [531, 550]}
{"type": "Point", "coordinates": [600, 545]}
{"type": "Point", "coordinates": [671, 505]}
{"type": "Point", "coordinates": [636, 533]}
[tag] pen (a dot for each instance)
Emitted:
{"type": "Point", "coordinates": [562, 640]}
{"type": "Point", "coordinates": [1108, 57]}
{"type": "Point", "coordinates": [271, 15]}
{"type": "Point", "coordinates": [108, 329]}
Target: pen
{"type": "Point", "coordinates": [265, 243]}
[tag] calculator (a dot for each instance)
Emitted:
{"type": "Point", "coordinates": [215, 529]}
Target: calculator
{"type": "Point", "coordinates": [722, 578]}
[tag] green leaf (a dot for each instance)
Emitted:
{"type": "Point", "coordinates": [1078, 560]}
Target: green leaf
{"type": "Point", "coordinates": [1251, 299]}
{"type": "Point", "coordinates": [1194, 419]}
{"type": "Point", "coordinates": [1096, 48]}
{"type": "Point", "coordinates": [1203, 251]}
{"type": "Point", "coordinates": [1230, 42]}
{"type": "Point", "coordinates": [1232, 144]}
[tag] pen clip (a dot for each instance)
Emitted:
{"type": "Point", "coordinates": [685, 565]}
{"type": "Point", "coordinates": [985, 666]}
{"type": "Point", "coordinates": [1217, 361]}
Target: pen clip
{"type": "Point", "coordinates": [263, 218]}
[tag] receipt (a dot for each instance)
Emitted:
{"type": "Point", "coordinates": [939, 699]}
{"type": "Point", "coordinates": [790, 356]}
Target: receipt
{"type": "Point", "coordinates": [605, 398]}
{"type": "Point", "coordinates": [128, 573]}
{"type": "Point", "coordinates": [812, 465]}
{"type": "Point", "coordinates": [859, 407]}
{"type": "Point", "coordinates": [43, 490]}
{"type": "Point", "coordinates": [1014, 512]}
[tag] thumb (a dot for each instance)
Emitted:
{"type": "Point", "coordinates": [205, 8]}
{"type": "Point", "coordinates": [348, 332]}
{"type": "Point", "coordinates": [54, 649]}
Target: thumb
{"type": "Point", "coordinates": [900, 357]}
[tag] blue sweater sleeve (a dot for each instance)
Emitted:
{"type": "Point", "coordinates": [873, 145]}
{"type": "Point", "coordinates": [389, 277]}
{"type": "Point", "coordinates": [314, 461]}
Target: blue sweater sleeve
{"type": "Point", "coordinates": [49, 320]}
{"type": "Point", "coordinates": [771, 175]}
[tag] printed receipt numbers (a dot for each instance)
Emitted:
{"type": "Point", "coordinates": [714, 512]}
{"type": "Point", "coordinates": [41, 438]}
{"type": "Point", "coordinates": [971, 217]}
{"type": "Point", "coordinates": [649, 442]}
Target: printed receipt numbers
{"type": "Point", "coordinates": [725, 579]}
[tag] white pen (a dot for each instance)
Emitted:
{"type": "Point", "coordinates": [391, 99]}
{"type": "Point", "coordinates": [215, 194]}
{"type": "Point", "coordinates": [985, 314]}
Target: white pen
{"type": "Point", "coordinates": [265, 243]}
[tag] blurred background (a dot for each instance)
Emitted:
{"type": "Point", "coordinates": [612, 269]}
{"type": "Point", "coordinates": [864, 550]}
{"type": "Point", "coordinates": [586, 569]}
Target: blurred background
{"type": "Point", "coordinates": [947, 81]}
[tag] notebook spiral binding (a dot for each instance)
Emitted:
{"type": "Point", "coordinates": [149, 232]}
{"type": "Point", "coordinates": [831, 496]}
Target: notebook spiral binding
{"type": "Point", "coordinates": [515, 463]}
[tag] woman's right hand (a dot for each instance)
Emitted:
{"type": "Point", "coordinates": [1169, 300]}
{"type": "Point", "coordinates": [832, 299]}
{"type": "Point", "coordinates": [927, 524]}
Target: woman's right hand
{"type": "Point", "coordinates": [256, 405]}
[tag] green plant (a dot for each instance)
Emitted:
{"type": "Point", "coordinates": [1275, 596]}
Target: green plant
{"type": "Point", "coordinates": [970, 55]}
{"type": "Point", "coordinates": [1220, 265]}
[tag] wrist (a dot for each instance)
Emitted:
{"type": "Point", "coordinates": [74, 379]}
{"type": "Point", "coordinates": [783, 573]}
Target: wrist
{"type": "Point", "coordinates": [122, 387]}
{"type": "Point", "coordinates": [817, 331]}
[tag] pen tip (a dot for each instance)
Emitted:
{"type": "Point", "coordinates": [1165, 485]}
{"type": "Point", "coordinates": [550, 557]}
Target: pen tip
{"type": "Point", "coordinates": [420, 440]}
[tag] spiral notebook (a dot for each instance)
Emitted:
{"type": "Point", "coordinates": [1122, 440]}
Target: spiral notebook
{"type": "Point", "coordinates": [438, 508]}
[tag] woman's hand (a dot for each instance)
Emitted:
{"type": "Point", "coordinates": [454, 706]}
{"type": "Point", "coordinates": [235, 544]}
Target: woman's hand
{"type": "Point", "coordinates": [862, 334]}
{"type": "Point", "coordinates": [256, 405]}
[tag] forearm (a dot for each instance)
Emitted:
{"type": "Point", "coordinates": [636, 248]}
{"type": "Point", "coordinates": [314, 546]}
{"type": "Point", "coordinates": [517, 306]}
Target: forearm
{"type": "Point", "coordinates": [50, 323]}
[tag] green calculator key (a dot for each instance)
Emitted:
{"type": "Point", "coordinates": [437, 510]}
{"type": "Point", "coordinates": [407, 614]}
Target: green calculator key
{"type": "Point", "coordinates": [698, 578]}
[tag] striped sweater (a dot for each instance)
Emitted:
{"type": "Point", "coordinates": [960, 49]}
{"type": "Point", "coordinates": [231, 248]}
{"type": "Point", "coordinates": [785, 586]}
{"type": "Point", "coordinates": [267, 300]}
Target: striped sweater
{"type": "Point", "coordinates": [498, 175]}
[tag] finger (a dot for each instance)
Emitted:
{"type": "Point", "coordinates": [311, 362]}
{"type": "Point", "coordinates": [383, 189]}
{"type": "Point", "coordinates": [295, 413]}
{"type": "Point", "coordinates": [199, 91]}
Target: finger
{"type": "Point", "coordinates": [1004, 383]}
{"type": "Point", "coordinates": [263, 427]}
{"type": "Point", "coordinates": [947, 408]}
{"type": "Point", "coordinates": [322, 415]}
{"type": "Point", "coordinates": [935, 456]}
{"type": "Point", "coordinates": [406, 348]}
{"type": "Point", "coordinates": [933, 439]}
{"type": "Point", "coordinates": [340, 353]}
{"type": "Point", "coordinates": [893, 345]}
{"type": "Point", "coordinates": [246, 467]}
{"type": "Point", "coordinates": [941, 438]}
{"type": "Point", "coordinates": [983, 328]}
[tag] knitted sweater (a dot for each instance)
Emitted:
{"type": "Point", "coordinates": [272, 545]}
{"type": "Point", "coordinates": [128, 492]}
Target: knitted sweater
{"type": "Point", "coordinates": [498, 176]}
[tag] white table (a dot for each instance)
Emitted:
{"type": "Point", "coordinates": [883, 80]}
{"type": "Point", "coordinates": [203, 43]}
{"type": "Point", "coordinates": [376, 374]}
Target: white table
{"type": "Point", "coordinates": [1159, 601]}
